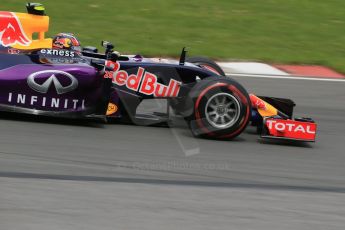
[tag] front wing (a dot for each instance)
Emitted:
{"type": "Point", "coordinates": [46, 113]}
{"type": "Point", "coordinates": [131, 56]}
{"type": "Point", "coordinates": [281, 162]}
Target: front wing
{"type": "Point", "coordinates": [288, 129]}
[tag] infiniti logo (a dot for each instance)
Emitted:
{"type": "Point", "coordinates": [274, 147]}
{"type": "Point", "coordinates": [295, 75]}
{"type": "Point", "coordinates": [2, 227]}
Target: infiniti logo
{"type": "Point", "coordinates": [53, 79]}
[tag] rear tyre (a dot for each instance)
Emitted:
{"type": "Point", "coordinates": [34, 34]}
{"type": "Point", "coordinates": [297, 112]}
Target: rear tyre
{"type": "Point", "coordinates": [221, 109]}
{"type": "Point", "coordinates": [206, 63]}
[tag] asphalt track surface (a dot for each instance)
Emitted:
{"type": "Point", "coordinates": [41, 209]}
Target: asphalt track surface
{"type": "Point", "coordinates": [58, 174]}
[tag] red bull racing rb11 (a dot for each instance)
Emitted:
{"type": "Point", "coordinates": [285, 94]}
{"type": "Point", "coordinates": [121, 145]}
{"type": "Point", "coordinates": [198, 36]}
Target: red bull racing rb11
{"type": "Point", "coordinates": [56, 77]}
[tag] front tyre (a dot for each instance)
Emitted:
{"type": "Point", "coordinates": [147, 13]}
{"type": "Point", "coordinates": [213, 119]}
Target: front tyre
{"type": "Point", "coordinates": [221, 109]}
{"type": "Point", "coordinates": [206, 63]}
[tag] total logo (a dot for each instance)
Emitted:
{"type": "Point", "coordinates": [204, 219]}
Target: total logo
{"type": "Point", "coordinates": [42, 82]}
{"type": "Point", "coordinates": [285, 126]}
{"type": "Point", "coordinates": [143, 82]}
{"type": "Point", "coordinates": [11, 30]}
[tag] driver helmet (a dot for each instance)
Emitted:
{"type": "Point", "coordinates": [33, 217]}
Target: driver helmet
{"type": "Point", "coordinates": [66, 41]}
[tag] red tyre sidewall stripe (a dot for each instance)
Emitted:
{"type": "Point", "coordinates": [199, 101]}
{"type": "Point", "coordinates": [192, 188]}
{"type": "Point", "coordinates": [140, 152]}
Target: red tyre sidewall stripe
{"type": "Point", "coordinates": [197, 114]}
{"type": "Point", "coordinates": [240, 129]}
{"type": "Point", "coordinates": [245, 101]}
{"type": "Point", "coordinates": [210, 69]}
{"type": "Point", "coordinates": [239, 94]}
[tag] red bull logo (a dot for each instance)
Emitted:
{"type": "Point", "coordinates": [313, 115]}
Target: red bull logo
{"type": "Point", "coordinates": [143, 82]}
{"type": "Point", "coordinates": [11, 30]}
{"type": "Point", "coordinates": [257, 102]}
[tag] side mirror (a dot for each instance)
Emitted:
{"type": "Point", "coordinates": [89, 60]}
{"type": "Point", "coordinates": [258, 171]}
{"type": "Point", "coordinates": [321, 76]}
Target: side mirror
{"type": "Point", "coordinates": [107, 45]}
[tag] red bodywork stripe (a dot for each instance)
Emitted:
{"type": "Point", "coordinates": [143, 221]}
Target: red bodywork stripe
{"type": "Point", "coordinates": [210, 69]}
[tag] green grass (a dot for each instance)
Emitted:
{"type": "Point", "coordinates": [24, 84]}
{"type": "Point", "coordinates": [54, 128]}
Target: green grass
{"type": "Point", "coordinates": [277, 31]}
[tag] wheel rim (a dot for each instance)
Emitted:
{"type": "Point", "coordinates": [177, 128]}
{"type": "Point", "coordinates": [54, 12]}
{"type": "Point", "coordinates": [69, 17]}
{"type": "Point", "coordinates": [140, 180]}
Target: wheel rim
{"type": "Point", "coordinates": [222, 110]}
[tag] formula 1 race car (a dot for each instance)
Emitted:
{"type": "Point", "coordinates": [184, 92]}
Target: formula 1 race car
{"type": "Point", "coordinates": [40, 80]}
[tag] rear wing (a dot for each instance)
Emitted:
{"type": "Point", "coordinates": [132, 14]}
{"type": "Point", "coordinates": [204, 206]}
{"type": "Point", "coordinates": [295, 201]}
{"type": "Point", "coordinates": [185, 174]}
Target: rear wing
{"type": "Point", "coordinates": [24, 31]}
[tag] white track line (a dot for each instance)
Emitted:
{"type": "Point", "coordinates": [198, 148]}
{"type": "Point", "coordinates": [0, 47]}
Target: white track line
{"type": "Point", "coordinates": [284, 77]}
